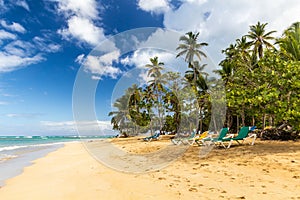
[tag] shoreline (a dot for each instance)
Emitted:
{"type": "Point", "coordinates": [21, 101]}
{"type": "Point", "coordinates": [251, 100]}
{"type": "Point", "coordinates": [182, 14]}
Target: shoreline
{"type": "Point", "coordinates": [269, 169]}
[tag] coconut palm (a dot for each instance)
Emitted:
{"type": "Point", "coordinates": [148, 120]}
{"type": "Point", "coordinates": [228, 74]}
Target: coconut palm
{"type": "Point", "coordinates": [155, 67]}
{"type": "Point", "coordinates": [121, 115]}
{"type": "Point", "coordinates": [196, 74]}
{"type": "Point", "coordinates": [259, 38]}
{"type": "Point", "coordinates": [290, 42]}
{"type": "Point", "coordinates": [156, 85]}
{"type": "Point", "coordinates": [190, 48]}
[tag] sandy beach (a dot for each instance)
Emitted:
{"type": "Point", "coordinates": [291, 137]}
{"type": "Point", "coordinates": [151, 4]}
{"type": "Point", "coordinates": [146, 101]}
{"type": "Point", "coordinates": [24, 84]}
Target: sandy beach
{"type": "Point", "coordinates": [267, 170]}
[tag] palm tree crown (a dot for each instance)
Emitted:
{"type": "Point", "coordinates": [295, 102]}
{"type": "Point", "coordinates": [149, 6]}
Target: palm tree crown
{"type": "Point", "coordinates": [259, 38]}
{"type": "Point", "coordinates": [290, 42]}
{"type": "Point", "coordinates": [190, 48]}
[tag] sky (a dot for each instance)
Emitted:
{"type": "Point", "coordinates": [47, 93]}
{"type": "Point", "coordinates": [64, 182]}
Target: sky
{"type": "Point", "coordinates": [46, 45]}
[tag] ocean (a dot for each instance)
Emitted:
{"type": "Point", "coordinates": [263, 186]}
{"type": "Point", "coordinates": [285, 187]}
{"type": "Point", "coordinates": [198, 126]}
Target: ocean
{"type": "Point", "coordinates": [17, 152]}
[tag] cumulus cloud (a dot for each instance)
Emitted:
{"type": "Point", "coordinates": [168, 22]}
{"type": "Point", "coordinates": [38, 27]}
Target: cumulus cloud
{"type": "Point", "coordinates": [13, 26]}
{"type": "Point", "coordinates": [221, 22]}
{"type": "Point", "coordinates": [85, 9]}
{"type": "Point", "coordinates": [84, 30]}
{"type": "Point", "coordinates": [141, 57]}
{"type": "Point", "coordinates": [100, 66]}
{"type": "Point", "coordinates": [154, 6]}
{"type": "Point", "coordinates": [81, 21]}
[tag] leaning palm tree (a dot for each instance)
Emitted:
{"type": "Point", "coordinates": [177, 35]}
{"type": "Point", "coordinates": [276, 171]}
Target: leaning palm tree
{"type": "Point", "coordinates": [259, 38]}
{"type": "Point", "coordinates": [190, 48]}
{"type": "Point", "coordinates": [121, 116]}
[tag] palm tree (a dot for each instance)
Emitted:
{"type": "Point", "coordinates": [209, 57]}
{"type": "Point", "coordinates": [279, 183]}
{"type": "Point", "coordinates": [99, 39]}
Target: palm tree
{"type": "Point", "coordinates": [259, 38]}
{"type": "Point", "coordinates": [196, 74]}
{"type": "Point", "coordinates": [155, 67]}
{"type": "Point", "coordinates": [156, 85]}
{"type": "Point", "coordinates": [121, 116]}
{"type": "Point", "coordinates": [290, 42]}
{"type": "Point", "coordinates": [190, 48]}
{"type": "Point", "coordinates": [242, 47]}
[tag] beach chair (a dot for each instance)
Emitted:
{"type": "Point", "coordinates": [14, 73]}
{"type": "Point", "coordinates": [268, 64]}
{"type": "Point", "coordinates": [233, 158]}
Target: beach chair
{"type": "Point", "coordinates": [185, 139]}
{"type": "Point", "coordinates": [200, 140]}
{"type": "Point", "coordinates": [156, 136]}
{"type": "Point", "coordinates": [219, 139]}
{"type": "Point", "coordinates": [242, 136]}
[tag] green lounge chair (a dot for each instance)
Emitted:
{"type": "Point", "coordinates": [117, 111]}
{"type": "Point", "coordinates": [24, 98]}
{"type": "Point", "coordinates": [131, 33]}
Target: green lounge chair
{"type": "Point", "coordinates": [242, 135]}
{"type": "Point", "coordinates": [185, 139]}
{"type": "Point", "coordinates": [219, 139]}
{"type": "Point", "coordinates": [155, 136]}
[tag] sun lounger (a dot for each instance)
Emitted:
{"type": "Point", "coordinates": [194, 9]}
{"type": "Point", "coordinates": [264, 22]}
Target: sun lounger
{"type": "Point", "coordinates": [200, 140]}
{"type": "Point", "coordinates": [242, 136]}
{"type": "Point", "coordinates": [156, 136]}
{"type": "Point", "coordinates": [219, 139]}
{"type": "Point", "coordinates": [185, 139]}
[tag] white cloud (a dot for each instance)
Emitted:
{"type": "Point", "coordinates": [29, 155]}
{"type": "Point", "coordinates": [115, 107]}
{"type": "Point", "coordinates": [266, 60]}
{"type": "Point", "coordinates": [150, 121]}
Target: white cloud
{"type": "Point", "coordinates": [18, 54]}
{"type": "Point", "coordinates": [10, 62]}
{"type": "Point", "coordinates": [45, 46]}
{"type": "Point", "coordinates": [23, 4]}
{"type": "Point", "coordinates": [19, 48]}
{"type": "Point", "coordinates": [84, 30]}
{"type": "Point", "coordinates": [81, 17]}
{"type": "Point", "coordinates": [85, 9]}
{"type": "Point", "coordinates": [13, 27]}
{"type": "Point", "coordinates": [221, 22]}
{"type": "Point", "coordinates": [154, 6]}
{"type": "Point", "coordinates": [7, 35]}
{"type": "Point", "coordinates": [141, 57]}
{"type": "Point", "coordinates": [100, 66]}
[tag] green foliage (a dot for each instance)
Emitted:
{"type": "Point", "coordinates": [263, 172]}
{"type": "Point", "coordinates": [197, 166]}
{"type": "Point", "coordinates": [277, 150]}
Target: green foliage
{"type": "Point", "coordinates": [268, 88]}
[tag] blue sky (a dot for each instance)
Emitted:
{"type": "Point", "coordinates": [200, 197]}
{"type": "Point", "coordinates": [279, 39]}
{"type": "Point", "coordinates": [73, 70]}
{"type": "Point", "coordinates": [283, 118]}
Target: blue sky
{"type": "Point", "coordinates": [44, 43]}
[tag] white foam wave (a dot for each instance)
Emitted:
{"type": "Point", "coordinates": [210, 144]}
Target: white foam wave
{"type": "Point", "coordinates": [4, 157]}
{"type": "Point", "coordinates": [9, 148]}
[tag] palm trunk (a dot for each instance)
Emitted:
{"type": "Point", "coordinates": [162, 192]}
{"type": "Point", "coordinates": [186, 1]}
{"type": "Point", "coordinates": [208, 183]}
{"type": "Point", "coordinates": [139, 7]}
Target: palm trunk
{"type": "Point", "coordinates": [237, 123]}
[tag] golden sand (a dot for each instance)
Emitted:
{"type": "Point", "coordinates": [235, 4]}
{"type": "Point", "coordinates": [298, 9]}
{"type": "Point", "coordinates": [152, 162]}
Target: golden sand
{"type": "Point", "coordinates": [267, 170]}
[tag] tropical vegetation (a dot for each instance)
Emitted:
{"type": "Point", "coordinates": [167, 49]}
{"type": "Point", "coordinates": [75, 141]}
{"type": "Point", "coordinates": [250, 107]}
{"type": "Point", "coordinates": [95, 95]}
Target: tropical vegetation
{"type": "Point", "coordinates": [260, 75]}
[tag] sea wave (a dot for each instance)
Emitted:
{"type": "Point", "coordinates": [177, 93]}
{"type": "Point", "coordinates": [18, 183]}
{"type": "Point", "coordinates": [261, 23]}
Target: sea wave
{"type": "Point", "coordinates": [9, 148]}
{"type": "Point", "coordinates": [5, 157]}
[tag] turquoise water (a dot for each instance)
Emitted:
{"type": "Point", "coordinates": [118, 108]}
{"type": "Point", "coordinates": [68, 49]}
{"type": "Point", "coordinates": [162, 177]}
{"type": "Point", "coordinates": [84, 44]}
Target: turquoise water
{"type": "Point", "coordinates": [16, 152]}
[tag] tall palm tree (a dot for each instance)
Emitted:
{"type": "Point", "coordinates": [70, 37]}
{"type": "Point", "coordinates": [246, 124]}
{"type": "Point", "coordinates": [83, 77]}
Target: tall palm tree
{"type": "Point", "coordinates": [190, 48]}
{"type": "Point", "coordinates": [259, 38]}
{"type": "Point", "coordinates": [156, 85]}
{"type": "Point", "coordinates": [290, 42]}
